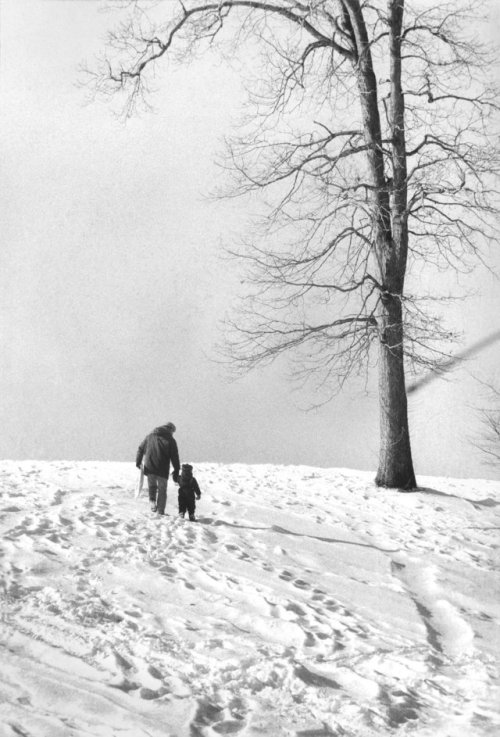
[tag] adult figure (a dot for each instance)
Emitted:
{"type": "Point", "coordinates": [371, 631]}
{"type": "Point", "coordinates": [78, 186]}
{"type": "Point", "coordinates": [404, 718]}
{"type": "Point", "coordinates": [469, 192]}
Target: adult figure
{"type": "Point", "coordinates": [159, 449]}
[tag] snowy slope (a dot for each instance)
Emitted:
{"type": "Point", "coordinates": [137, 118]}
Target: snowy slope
{"type": "Point", "coordinates": [304, 602]}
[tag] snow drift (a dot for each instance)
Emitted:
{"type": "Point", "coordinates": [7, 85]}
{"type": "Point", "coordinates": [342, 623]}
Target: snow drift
{"type": "Point", "coordinates": [304, 602]}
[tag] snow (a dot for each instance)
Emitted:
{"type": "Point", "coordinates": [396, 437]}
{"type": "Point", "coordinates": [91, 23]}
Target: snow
{"type": "Point", "coordinates": [304, 602]}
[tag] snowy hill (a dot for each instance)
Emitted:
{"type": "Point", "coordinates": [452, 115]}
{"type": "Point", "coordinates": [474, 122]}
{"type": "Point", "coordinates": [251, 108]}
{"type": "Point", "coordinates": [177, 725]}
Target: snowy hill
{"type": "Point", "coordinates": [304, 602]}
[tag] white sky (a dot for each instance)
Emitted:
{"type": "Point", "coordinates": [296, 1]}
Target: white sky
{"type": "Point", "coordinates": [112, 287]}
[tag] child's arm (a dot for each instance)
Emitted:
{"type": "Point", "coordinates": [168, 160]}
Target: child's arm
{"type": "Point", "coordinates": [196, 488]}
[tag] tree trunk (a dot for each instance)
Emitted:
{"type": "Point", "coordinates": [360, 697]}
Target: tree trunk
{"type": "Point", "coordinates": [390, 242]}
{"type": "Point", "coordinates": [395, 462]}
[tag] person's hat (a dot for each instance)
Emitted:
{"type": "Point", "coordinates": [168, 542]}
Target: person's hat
{"type": "Point", "coordinates": [186, 467]}
{"type": "Point", "coordinates": [170, 426]}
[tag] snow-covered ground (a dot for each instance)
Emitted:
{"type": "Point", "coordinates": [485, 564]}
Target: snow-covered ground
{"type": "Point", "coordinates": [304, 602]}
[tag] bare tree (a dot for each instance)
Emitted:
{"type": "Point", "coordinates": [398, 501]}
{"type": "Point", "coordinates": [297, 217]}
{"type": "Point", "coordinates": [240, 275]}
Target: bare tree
{"type": "Point", "coordinates": [369, 136]}
{"type": "Point", "coordinates": [489, 441]}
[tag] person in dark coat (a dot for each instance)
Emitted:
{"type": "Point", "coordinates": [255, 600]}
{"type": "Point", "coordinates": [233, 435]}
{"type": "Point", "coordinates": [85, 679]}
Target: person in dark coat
{"type": "Point", "coordinates": [189, 491]}
{"type": "Point", "coordinates": [158, 450]}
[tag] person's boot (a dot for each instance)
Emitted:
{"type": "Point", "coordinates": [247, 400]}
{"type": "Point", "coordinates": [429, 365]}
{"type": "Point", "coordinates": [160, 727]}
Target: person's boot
{"type": "Point", "coordinates": [153, 506]}
{"type": "Point", "coordinates": [192, 518]}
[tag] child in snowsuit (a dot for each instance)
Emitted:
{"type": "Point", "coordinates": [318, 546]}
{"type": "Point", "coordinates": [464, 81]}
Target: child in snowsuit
{"type": "Point", "coordinates": [188, 492]}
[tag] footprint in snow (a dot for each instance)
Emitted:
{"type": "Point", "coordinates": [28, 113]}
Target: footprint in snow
{"type": "Point", "coordinates": [221, 720]}
{"type": "Point", "coordinates": [299, 583]}
{"type": "Point", "coordinates": [296, 609]}
{"type": "Point", "coordinates": [318, 594]}
{"type": "Point", "coordinates": [267, 567]}
{"type": "Point", "coordinates": [58, 497]}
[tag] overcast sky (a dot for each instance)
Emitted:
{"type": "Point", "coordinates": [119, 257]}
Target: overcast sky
{"type": "Point", "coordinates": [112, 286]}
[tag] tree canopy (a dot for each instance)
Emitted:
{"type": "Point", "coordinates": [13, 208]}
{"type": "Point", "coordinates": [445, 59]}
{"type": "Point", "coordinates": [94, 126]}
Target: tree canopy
{"type": "Point", "coordinates": [370, 135]}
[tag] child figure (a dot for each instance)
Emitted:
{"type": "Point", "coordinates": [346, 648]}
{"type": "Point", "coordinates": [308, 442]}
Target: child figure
{"type": "Point", "coordinates": [188, 490]}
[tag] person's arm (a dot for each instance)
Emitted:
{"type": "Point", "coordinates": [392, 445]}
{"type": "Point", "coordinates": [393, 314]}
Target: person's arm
{"type": "Point", "coordinates": [174, 457]}
{"type": "Point", "coordinates": [196, 488]}
{"type": "Point", "coordinates": [140, 453]}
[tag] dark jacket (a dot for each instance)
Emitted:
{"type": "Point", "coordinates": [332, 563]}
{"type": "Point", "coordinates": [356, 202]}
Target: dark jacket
{"type": "Point", "coordinates": [188, 486]}
{"type": "Point", "coordinates": [158, 449]}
